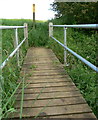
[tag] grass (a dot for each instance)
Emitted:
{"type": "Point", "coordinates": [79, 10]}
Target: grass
{"type": "Point", "coordinates": [8, 101]}
{"type": "Point", "coordinates": [10, 73]}
{"type": "Point", "coordinates": [33, 67]}
{"type": "Point", "coordinates": [39, 36]}
{"type": "Point", "coordinates": [55, 62]}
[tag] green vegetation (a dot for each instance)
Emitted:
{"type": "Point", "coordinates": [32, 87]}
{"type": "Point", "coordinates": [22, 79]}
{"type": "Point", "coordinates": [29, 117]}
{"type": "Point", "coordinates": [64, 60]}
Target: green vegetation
{"type": "Point", "coordinates": [33, 67]}
{"type": "Point", "coordinates": [76, 12]}
{"type": "Point", "coordinates": [10, 73]}
{"type": "Point", "coordinates": [39, 36]}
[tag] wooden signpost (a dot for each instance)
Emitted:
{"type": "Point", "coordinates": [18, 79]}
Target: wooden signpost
{"type": "Point", "coordinates": [34, 16]}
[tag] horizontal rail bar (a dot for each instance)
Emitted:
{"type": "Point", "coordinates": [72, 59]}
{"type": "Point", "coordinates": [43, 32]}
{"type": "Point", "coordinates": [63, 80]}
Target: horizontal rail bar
{"type": "Point", "coordinates": [95, 26]}
{"type": "Point", "coordinates": [11, 27]}
{"type": "Point", "coordinates": [11, 55]}
{"type": "Point", "coordinates": [78, 56]}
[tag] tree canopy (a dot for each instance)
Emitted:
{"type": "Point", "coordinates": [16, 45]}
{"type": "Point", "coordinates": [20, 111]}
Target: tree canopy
{"type": "Point", "coordinates": [76, 12]}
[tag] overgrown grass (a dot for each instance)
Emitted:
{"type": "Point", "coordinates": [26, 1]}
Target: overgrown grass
{"type": "Point", "coordinates": [37, 37]}
{"type": "Point", "coordinates": [10, 73]}
{"type": "Point", "coordinates": [83, 43]}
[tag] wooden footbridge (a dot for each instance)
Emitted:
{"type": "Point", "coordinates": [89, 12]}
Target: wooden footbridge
{"type": "Point", "coordinates": [50, 92]}
{"type": "Point", "coordinates": [47, 90]}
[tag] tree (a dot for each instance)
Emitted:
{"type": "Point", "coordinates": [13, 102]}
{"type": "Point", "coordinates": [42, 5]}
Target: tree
{"type": "Point", "coordinates": [76, 12]}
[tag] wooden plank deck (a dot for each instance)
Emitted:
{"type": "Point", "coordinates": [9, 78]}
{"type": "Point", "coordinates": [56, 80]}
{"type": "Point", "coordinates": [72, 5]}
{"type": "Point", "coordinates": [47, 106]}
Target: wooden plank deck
{"type": "Point", "coordinates": [56, 94]}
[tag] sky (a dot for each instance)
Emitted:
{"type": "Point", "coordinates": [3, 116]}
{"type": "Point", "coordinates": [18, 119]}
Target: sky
{"type": "Point", "coordinates": [17, 9]}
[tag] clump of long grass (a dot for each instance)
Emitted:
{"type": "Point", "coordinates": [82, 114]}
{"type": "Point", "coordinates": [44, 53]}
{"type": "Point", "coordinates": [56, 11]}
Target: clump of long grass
{"type": "Point", "coordinates": [39, 35]}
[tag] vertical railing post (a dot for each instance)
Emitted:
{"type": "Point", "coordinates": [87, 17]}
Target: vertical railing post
{"type": "Point", "coordinates": [26, 33]}
{"type": "Point", "coordinates": [16, 44]}
{"type": "Point", "coordinates": [65, 43]}
{"type": "Point", "coordinates": [50, 29]}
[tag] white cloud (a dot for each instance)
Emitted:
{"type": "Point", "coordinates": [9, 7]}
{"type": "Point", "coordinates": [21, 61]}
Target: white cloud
{"type": "Point", "coordinates": [23, 9]}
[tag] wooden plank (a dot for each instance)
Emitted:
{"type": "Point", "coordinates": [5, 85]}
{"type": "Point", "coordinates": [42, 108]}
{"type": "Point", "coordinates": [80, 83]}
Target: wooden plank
{"type": "Point", "coordinates": [82, 116]}
{"type": "Point", "coordinates": [47, 77]}
{"type": "Point", "coordinates": [44, 74]}
{"type": "Point", "coordinates": [38, 85]}
{"type": "Point", "coordinates": [79, 116]}
{"type": "Point", "coordinates": [55, 102]}
{"type": "Point", "coordinates": [58, 110]}
{"type": "Point", "coordinates": [48, 89]}
{"type": "Point", "coordinates": [35, 70]}
{"type": "Point", "coordinates": [49, 95]}
{"type": "Point", "coordinates": [42, 69]}
{"type": "Point", "coordinates": [48, 80]}
{"type": "Point", "coordinates": [39, 66]}
{"type": "Point", "coordinates": [44, 80]}
{"type": "Point", "coordinates": [40, 62]}
{"type": "Point", "coordinates": [49, 66]}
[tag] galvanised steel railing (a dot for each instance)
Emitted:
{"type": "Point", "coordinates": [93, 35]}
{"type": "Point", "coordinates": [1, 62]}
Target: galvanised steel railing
{"type": "Point", "coordinates": [17, 45]}
{"type": "Point", "coordinates": [94, 26]}
{"type": "Point", "coordinates": [11, 27]}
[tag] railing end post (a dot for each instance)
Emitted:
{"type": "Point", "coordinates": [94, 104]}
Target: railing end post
{"type": "Point", "coordinates": [50, 29]}
{"type": "Point", "coordinates": [26, 33]}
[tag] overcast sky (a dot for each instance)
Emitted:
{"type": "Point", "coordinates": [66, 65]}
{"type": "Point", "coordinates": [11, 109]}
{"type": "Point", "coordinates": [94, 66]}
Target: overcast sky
{"type": "Point", "coordinates": [17, 9]}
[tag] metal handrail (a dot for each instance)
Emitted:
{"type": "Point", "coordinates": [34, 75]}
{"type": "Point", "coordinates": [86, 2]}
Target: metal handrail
{"type": "Point", "coordinates": [12, 54]}
{"type": "Point", "coordinates": [77, 55]}
{"type": "Point", "coordinates": [68, 49]}
{"type": "Point", "coordinates": [78, 26]}
{"type": "Point", "coordinates": [11, 27]}
{"type": "Point", "coordinates": [16, 50]}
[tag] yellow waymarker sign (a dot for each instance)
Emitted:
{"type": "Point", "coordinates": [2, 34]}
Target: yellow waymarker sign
{"type": "Point", "coordinates": [33, 7]}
